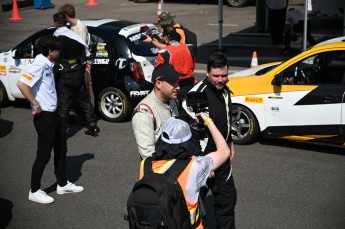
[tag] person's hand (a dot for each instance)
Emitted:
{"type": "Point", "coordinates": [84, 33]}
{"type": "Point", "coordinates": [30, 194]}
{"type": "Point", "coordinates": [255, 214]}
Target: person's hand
{"type": "Point", "coordinates": [201, 116]}
{"type": "Point", "coordinates": [37, 109]}
{"type": "Point", "coordinates": [148, 39]}
{"type": "Point", "coordinates": [211, 175]}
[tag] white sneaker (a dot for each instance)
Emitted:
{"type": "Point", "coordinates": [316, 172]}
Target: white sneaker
{"type": "Point", "coordinates": [40, 197]}
{"type": "Point", "coordinates": [69, 188]}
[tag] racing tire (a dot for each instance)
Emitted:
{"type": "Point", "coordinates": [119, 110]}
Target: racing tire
{"type": "Point", "coordinates": [3, 95]}
{"type": "Point", "coordinates": [244, 126]}
{"type": "Point", "coordinates": [113, 105]}
{"type": "Point", "coordinates": [237, 3]}
{"type": "Point", "coordinates": [142, 1]}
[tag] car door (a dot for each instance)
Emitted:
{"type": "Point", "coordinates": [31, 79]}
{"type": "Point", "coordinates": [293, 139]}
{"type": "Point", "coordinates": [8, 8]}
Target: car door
{"type": "Point", "coordinates": [309, 103]}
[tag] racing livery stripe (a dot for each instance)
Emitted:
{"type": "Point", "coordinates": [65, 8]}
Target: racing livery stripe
{"type": "Point", "coordinates": [323, 94]}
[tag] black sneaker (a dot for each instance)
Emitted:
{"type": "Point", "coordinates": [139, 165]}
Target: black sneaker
{"type": "Point", "coordinates": [93, 131]}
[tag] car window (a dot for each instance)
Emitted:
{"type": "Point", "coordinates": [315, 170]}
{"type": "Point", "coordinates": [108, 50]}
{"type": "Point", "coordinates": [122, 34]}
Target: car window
{"type": "Point", "coordinates": [140, 48]}
{"type": "Point", "coordinates": [30, 50]}
{"type": "Point", "coordinates": [322, 68]}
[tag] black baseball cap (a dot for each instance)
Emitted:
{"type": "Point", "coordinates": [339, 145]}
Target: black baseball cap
{"type": "Point", "coordinates": [165, 72]}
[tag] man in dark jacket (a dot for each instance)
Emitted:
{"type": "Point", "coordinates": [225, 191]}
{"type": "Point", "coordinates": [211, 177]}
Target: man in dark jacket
{"type": "Point", "coordinates": [218, 94]}
{"type": "Point", "coordinates": [70, 77]}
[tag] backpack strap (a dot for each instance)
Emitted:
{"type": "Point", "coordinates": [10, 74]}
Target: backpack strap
{"type": "Point", "coordinates": [177, 168]}
{"type": "Point", "coordinates": [148, 166]}
{"type": "Point", "coordinates": [150, 109]}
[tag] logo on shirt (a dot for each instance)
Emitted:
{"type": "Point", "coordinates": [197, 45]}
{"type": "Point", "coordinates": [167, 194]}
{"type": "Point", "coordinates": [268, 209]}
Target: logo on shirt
{"type": "Point", "coordinates": [27, 76]}
{"type": "Point", "coordinates": [48, 75]}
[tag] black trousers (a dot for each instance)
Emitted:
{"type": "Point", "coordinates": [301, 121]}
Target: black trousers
{"type": "Point", "coordinates": [225, 196]}
{"type": "Point", "coordinates": [71, 85]}
{"type": "Point", "coordinates": [299, 28]}
{"type": "Point", "coordinates": [276, 24]}
{"type": "Point", "coordinates": [47, 126]}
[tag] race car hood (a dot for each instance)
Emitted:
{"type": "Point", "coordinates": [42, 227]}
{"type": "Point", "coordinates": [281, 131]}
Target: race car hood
{"type": "Point", "coordinates": [253, 70]}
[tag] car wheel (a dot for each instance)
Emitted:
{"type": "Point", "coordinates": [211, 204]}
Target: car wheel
{"type": "Point", "coordinates": [237, 3]}
{"type": "Point", "coordinates": [3, 95]}
{"type": "Point", "coordinates": [244, 126]}
{"type": "Point", "coordinates": [113, 105]}
{"type": "Point", "coordinates": [142, 1]}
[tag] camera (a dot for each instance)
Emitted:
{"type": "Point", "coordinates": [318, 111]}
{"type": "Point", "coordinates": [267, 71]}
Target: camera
{"type": "Point", "coordinates": [197, 102]}
{"type": "Point", "coordinates": [153, 33]}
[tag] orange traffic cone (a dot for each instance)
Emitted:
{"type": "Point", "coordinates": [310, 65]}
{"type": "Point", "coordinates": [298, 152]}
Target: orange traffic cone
{"type": "Point", "coordinates": [92, 3]}
{"type": "Point", "coordinates": [254, 60]}
{"type": "Point", "coordinates": [159, 11]}
{"type": "Point", "coordinates": [15, 12]}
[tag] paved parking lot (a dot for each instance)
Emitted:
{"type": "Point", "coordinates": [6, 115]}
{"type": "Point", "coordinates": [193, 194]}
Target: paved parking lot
{"type": "Point", "coordinates": [280, 184]}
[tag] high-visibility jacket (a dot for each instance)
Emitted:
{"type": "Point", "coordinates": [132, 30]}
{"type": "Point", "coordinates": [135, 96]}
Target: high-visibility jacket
{"type": "Point", "coordinates": [178, 55]}
{"type": "Point", "coordinates": [163, 165]}
{"type": "Point", "coordinates": [180, 31]}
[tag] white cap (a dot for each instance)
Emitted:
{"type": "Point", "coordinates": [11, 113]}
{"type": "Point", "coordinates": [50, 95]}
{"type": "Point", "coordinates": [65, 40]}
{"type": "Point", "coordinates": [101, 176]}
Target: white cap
{"type": "Point", "coordinates": [175, 131]}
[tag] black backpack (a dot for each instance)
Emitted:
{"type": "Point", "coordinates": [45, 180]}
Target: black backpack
{"type": "Point", "coordinates": [191, 39]}
{"type": "Point", "coordinates": [157, 200]}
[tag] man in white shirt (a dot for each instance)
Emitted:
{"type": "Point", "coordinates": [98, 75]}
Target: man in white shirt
{"type": "Point", "coordinates": [38, 87]}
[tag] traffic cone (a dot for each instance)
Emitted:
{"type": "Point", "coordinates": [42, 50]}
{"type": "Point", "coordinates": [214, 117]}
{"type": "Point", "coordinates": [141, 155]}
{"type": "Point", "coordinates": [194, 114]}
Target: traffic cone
{"type": "Point", "coordinates": [15, 12]}
{"type": "Point", "coordinates": [92, 3]}
{"type": "Point", "coordinates": [159, 11]}
{"type": "Point", "coordinates": [254, 60]}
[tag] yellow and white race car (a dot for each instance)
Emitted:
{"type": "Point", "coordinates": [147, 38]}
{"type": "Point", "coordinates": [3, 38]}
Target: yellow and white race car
{"type": "Point", "coordinates": [300, 99]}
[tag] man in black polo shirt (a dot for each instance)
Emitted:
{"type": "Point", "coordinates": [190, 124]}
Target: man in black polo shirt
{"type": "Point", "coordinates": [70, 77]}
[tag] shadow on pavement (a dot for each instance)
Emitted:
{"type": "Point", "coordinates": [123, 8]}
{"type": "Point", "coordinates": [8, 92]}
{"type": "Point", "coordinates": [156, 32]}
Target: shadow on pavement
{"type": "Point", "coordinates": [74, 166]}
{"type": "Point", "coordinates": [6, 127]}
{"type": "Point", "coordinates": [6, 212]}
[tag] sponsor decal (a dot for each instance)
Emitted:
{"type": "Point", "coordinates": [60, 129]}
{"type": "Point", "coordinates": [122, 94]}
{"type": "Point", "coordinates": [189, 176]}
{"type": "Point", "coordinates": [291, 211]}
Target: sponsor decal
{"type": "Point", "coordinates": [2, 70]}
{"type": "Point", "coordinates": [101, 46]}
{"type": "Point", "coordinates": [5, 60]}
{"type": "Point", "coordinates": [27, 76]}
{"type": "Point", "coordinates": [121, 63]}
{"type": "Point", "coordinates": [27, 61]}
{"type": "Point", "coordinates": [100, 61]}
{"type": "Point", "coordinates": [14, 69]}
{"type": "Point", "coordinates": [254, 100]}
{"type": "Point", "coordinates": [135, 37]}
{"type": "Point", "coordinates": [139, 93]}
{"type": "Point", "coordinates": [102, 54]}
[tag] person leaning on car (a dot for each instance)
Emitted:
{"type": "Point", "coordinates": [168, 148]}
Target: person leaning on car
{"type": "Point", "coordinates": [220, 111]}
{"type": "Point", "coordinates": [155, 108]}
{"type": "Point", "coordinates": [70, 77]}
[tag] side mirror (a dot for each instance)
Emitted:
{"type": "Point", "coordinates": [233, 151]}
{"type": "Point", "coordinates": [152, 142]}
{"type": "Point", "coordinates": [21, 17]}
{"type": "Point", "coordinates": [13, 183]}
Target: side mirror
{"type": "Point", "coordinates": [277, 80]}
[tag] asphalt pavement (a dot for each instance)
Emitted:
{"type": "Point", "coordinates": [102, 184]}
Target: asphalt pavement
{"type": "Point", "coordinates": [280, 184]}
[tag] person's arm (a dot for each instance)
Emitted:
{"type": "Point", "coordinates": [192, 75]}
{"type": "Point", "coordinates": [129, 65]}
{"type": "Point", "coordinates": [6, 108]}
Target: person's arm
{"type": "Point", "coordinates": [144, 134]}
{"type": "Point", "coordinates": [155, 42]}
{"type": "Point", "coordinates": [26, 90]}
{"type": "Point", "coordinates": [232, 149]}
{"type": "Point", "coordinates": [222, 153]}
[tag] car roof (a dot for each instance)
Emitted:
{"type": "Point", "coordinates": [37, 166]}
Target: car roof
{"type": "Point", "coordinates": [122, 27]}
{"type": "Point", "coordinates": [333, 40]}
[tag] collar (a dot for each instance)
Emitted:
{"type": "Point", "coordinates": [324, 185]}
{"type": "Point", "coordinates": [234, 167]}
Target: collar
{"type": "Point", "coordinates": [46, 60]}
